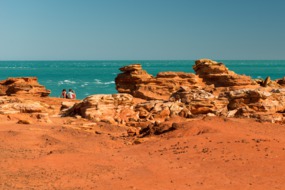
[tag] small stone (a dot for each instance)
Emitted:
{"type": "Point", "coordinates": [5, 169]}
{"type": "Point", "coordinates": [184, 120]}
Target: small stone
{"type": "Point", "coordinates": [22, 121]}
{"type": "Point", "coordinates": [138, 141]}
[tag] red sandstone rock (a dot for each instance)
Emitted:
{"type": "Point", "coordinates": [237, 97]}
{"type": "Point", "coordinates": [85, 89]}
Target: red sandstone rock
{"type": "Point", "coordinates": [218, 74]}
{"type": "Point", "coordinates": [35, 109]}
{"type": "Point", "coordinates": [158, 110]}
{"type": "Point", "coordinates": [241, 96]}
{"type": "Point", "coordinates": [140, 84]}
{"type": "Point", "coordinates": [168, 95]}
{"type": "Point", "coordinates": [115, 109]}
{"type": "Point", "coordinates": [23, 86]}
{"type": "Point", "coordinates": [257, 103]}
{"type": "Point", "coordinates": [199, 101]}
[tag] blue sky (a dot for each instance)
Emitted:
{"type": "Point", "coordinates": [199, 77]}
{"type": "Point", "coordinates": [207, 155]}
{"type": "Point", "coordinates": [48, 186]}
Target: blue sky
{"type": "Point", "coordinates": [141, 29]}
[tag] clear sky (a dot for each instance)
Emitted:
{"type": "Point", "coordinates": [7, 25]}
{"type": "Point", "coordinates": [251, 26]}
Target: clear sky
{"type": "Point", "coordinates": [141, 29]}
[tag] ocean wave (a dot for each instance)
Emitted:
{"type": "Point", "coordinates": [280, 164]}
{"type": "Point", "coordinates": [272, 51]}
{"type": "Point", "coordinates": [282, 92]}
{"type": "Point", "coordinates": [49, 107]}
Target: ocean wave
{"type": "Point", "coordinates": [66, 82]}
{"type": "Point", "coordinates": [98, 81]}
{"type": "Point", "coordinates": [84, 84]}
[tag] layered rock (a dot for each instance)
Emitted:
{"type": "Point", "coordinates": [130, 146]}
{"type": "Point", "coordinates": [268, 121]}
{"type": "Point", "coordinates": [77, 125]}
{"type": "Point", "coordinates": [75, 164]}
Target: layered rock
{"type": "Point", "coordinates": [120, 109]}
{"type": "Point", "coordinates": [257, 103]}
{"type": "Point", "coordinates": [214, 90]}
{"type": "Point", "coordinates": [200, 102]}
{"type": "Point", "coordinates": [23, 86]}
{"type": "Point", "coordinates": [158, 110]}
{"type": "Point", "coordinates": [137, 82]}
{"type": "Point", "coordinates": [11, 105]}
{"type": "Point", "coordinates": [219, 75]}
{"type": "Point", "coordinates": [114, 109]}
{"type": "Point", "coordinates": [258, 100]}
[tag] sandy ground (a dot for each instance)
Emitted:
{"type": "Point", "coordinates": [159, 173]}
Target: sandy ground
{"type": "Point", "coordinates": [209, 153]}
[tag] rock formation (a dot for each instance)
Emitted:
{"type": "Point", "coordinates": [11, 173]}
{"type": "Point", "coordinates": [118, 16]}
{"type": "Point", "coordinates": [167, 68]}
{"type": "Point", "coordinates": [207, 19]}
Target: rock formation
{"type": "Point", "coordinates": [34, 109]}
{"type": "Point", "coordinates": [23, 86]}
{"type": "Point", "coordinates": [258, 103]}
{"type": "Point", "coordinates": [172, 94]}
{"type": "Point", "coordinates": [137, 82]}
{"type": "Point", "coordinates": [218, 74]}
{"type": "Point", "coordinates": [158, 110]}
{"type": "Point", "coordinates": [114, 109]}
{"type": "Point", "coordinates": [210, 75]}
{"type": "Point", "coordinates": [200, 102]}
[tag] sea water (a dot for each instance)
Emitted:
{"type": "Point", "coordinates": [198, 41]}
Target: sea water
{"type": "Point", "coordinates": [98, 77]}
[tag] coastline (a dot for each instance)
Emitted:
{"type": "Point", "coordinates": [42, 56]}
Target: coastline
{"type": "Point", "coordinates": [97, 77]}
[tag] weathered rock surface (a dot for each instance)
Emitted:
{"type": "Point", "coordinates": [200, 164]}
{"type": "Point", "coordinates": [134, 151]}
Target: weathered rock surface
{"type": "Point", "coordinates": [137, 82]}
{"type": "Point", "coordinates": [172, 94]}
{"type": "Point", "coordinates": [219, 75]}
{"type": "Point", "coordinates": [23, 86]}
{"type": "Point", "coordinates": [120, 109]}
{"type": "Point", "coordinates": [12, 105]}
{"type": "Point", "coordinates": [199, 101]}
{"type": "Point", "coordinates": [261, 101]}
{"type": "Point", "coordinates": [158, 110]}
{"type": "Point", "coordinates": [166, 96]}
{"type": "Point", "coordinates": [257, 103]}
{"type": "Point", "coordinates": [114, 109]}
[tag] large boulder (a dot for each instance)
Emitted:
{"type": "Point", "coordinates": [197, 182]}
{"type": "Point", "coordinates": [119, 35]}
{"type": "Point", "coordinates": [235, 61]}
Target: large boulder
{"type": "Point", "coordinates": [23, 86]}
{"type": "Point", "coordinates": [219, 75]}
{"type": "Point", "coordinates": [137, 82]}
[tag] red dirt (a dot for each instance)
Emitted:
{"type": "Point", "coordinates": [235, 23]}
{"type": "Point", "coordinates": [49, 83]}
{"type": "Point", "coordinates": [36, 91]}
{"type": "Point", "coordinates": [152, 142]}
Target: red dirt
{"type": "Point", "coordinates": [209, 153]}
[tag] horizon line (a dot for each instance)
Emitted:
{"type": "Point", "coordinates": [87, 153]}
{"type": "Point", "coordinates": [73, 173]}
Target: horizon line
{"type": "Point", "coordinates": [140, 59]}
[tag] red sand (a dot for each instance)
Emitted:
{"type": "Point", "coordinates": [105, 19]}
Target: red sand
{"type": "Point", "coordinates": [209, 153]}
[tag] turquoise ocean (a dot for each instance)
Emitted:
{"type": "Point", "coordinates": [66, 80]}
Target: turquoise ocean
{"type": "Point", "coordinates": [97, 77]}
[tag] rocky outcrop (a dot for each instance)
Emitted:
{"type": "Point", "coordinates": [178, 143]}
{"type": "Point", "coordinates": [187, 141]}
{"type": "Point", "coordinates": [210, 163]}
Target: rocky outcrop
{"type": "Point", "coordinates": [23, 86]}
{"type": "Point", "coordinates": [178, 94]}
{"type": "Point", "coordinates": [158, 110]}
{"type": "Point", "coordinates": [11, 105]}
{"type": "Point", "coordinates": [137, 82]}
{"type": "Point", "coordinates": [257, 103]}
{"type": "Point", "coordinates": [199, 101]}
{"type": "Point", "coordinates": [114, 109]}
{"type": "Point", "coordinates": [120, 109]}
{"type": "Point", "coordinates": [132, 75]}
{"type": "Point", "coordinates": [219, 75]}
{"type": "Point", "coordinates": [210, 76]}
